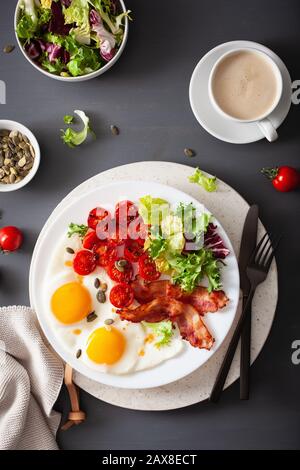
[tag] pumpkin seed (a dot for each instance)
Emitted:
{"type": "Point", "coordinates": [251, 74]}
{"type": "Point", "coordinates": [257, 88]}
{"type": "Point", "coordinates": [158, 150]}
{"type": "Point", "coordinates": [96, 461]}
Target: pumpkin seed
{"type": "Point", "coordinates": [91, 317]}
{"type": "Point", "coordinates": [101, 297]}
{"type": "Point", "coordinates": [8, 49]}
{"type": "Point", "coordinates": [189, 152]}
{"type": "Point", "coordinates": [16, 156]}
{"type": "Point", "coordinates": [12, 178]}
{"type": "Point", "coordinates": [120, 265]}
{"type": "Point", "coordinates": [97, 283]}
{"type": "Point", "coordinates": [70, 250]}
{"type": "Point", "coordinates": [78, 354]}
{"type": "Point", "coordinates": [108, 321]}
{"type": "Point", "coordinates": [114, 130]}
{"type": "Point", "coordinates": [103, 286]}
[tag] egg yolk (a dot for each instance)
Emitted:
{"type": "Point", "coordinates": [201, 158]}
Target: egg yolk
{"type": "Point", "coordinates": [71, 303]}
{"type": "Point", "coordinates": [105, 346]}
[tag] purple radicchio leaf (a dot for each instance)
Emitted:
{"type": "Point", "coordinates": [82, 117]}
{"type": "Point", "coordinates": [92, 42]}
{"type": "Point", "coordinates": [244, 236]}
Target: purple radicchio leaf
{"type": "Point", "coordinates": [107, 39]}
{"type": "Point", "coordinates": [57, 52]}
{"type": "Point", "coordinates": [57, 23]}
{"type": "Point", "coordinates": [214, 242]}
{"type": "Point", "coordinates": [66, 3]}
{"type": "Point", "coordinates": [33, 50]}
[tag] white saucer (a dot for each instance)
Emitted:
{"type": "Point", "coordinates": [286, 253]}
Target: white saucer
{"type": "Point", "coordinates": [207, 116]}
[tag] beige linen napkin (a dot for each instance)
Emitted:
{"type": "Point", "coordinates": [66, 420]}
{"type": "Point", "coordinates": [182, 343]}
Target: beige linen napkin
{"type": "Point", "coordinates": [30, 380]}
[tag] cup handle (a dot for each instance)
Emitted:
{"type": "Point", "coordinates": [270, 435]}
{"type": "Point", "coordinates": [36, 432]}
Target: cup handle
{"type": "Point", "coordinates": [268, 129]}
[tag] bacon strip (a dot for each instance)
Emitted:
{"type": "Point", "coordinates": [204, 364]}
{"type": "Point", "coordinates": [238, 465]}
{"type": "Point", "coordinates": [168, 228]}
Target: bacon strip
{"type": "Point", "coordinates": [190, 324]}
{"type": "Point", "coordinates": [193, 329]}
{"type": "Point", "coordinates": [202, 300]}
{"type": "Point", "coordinates": [145, 291]}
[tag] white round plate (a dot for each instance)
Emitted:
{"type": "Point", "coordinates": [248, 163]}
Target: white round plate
{"type": "Point", "coordinates": [211, 120]}
{"type": "Point", "coordinates": [169, 371]}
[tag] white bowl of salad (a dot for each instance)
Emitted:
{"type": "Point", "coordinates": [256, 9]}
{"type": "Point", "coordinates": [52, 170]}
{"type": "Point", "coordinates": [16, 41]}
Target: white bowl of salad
{"type": "Point", "coordinates": [71, 40]}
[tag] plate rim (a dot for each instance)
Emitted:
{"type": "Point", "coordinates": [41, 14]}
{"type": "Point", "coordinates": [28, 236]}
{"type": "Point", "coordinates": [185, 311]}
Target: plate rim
{"type": "Point", "coordinates": [37, 249]}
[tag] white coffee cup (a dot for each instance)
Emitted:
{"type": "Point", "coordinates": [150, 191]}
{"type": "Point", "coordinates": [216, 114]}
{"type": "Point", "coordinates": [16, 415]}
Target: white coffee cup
{"type": "Point", "coordinates": [262, 121]}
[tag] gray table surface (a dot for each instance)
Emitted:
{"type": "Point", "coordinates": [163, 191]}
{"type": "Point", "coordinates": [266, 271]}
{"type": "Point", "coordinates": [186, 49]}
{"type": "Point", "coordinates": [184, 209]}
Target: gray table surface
{"type": "Point", "coordinates": [146, 95]}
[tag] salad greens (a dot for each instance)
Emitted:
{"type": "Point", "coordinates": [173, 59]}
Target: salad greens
{"type": "Point", "coordinates": [73, 138]}
{"type": "Point", "coordinates": [185, 246]}
{"type": "Point", "coordinates": [209, 184]}
{"type": "Point", "coordinates": [68, 119]}
{"type": "Point", "coordinates": [163, 331]}
{"type": "Point", "coordinates": [80, 230]}
{"type": "Point", "coordinates": [151, 209]}
{"type": "Point", "coordinates": [71, 37]}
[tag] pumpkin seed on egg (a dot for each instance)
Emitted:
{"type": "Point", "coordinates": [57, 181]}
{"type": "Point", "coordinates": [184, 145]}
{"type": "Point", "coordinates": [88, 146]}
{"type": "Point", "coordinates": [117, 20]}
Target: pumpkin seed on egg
{"type": "Point", "coordinates": [70, 250]}
{"type": "Point", "coordinates": [91, 317]}
{"type": "Point", "coordinates": [101, 297]}
{"type": "Point", "coordinates": [103, 286]}
{"type": "Point", "coordinates": [108, 321]}
{"type": "Point", "coordinates": [97, 283]}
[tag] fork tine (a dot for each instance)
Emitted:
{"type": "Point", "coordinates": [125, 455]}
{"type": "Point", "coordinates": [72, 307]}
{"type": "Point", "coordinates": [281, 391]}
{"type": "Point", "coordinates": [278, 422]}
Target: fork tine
{"type": "Point", "coordinates": [254, 255]}
{"type": "Point", "coordinates": [268, 251]}
{"type": "Point", "coordinates": [270, 259]}
{"type": "Point", "coordinates": [261, 248]}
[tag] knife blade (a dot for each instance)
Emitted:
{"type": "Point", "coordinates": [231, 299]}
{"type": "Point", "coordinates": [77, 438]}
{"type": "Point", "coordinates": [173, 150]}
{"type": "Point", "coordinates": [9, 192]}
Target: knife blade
{"type": "Point", "coordinates": [248, 244]}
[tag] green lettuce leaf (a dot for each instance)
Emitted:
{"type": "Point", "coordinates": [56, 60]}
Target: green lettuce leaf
{"type": "Point", "coordinates": [73, 138]}
{"type": "Point", "coordinates": [75, 229]}
{"type": "Point", "coordinates": [189, 270]}
{"type": "Point", "coordinates": [209, 184]}
{"type": "Point", "coordinates": [78, 12]}
{"type": "Point", "coordinates": [151, 209]}
{"type": "Point", "coordinates": [163, 331]}
{"type": "Point", "coordinates": [68, 119]}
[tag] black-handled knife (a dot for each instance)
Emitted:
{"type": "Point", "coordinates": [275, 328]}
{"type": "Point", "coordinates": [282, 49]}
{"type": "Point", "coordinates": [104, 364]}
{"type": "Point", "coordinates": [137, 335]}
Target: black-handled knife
{"type": "Point", "coordinates": [248, 244]}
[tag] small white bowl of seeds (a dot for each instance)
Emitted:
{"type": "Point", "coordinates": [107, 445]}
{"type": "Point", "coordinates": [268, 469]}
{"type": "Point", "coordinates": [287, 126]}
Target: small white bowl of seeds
{"type": "Point", "coordinates": [19, 155]}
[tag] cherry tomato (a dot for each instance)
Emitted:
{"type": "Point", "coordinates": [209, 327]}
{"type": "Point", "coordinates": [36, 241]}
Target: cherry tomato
{"type": "Point", "coordinates": [97, 215]}
{"type": "Point", "coordinates": [11, 238]}
{"type": "Point", "coordinates": [121, 295]}
{"type": "Point", "coordinates": [90, 240]}
{"type": "Point", "coordinates": [147, 268]}
{"type": "Point", "coordinates": [126, 212]}
{"type": "Point", "coordinates": [118, 234]}
{"type": "Point", "coordinates": [106, 253]}
{"type": "Point", "coordinates": [120, 270]}
{"type": "Point", "coordinates": [133, 250]}
{"type": "Point", "coordinates": [284, 178]}
{"type": "Point", "coordinates": [84, 262]}
{"type": "Point", "coordinates": [138, 230]}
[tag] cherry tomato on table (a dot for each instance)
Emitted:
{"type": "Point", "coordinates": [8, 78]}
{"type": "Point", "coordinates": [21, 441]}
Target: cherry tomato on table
{"type": "Point", "coordinates": [120, 270]}
{"type": "Point", "coordinates": [121, 295]}
{"type": "Point", "coordinates": [147, 268]}
{"type": "Point", "coordinates": [97, 215]}
{"type": "Point", "coordinates": [11, 238]}
{"type": "Point", "coordinates": [126, 212]}
{"type": "Point", "coordinates": [84, 262]}
{"type": "Point", "coordinates": [133, 250]}
{"type": "Point", "coordinates": [284, 178]}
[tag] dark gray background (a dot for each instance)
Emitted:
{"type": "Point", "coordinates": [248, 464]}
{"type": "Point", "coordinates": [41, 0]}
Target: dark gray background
{"type": "Point", "coordinates": [146, 95]}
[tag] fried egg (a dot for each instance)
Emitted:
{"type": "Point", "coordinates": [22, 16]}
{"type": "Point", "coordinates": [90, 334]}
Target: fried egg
{"type": "Point", "coordinates": [119, 347]}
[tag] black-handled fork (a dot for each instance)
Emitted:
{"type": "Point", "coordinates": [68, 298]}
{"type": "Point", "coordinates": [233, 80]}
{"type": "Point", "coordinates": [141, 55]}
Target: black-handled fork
{"type": "Point", "coordinates": [257, 271]}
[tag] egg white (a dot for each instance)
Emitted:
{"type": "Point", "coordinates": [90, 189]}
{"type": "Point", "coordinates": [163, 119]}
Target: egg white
{"type": "Point", "coordinates": [139, 353]}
